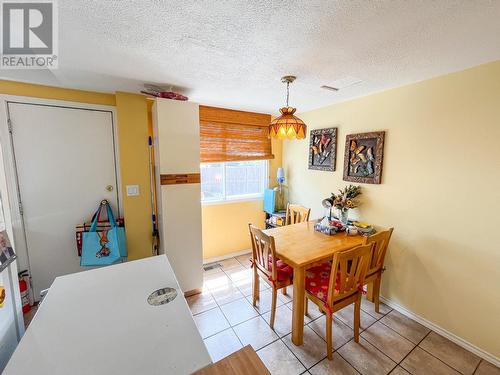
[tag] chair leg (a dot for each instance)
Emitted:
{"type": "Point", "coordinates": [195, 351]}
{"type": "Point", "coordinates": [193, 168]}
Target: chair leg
{"type": "Point", "coordinates": [283, 291]}
{"type": "Point", "coordinates": [369, 291]}
{"type": "Point", "coordinates": [273, 307]}
{"type": "Point", "coordinates": [329, 340]}
{"type": "Point", "coordinates": [306, 306]}
{"type": "Point", "coordinates": [255, 287]}
{"type": "Point", "coordinates": [376, 294]}
{"type": "Point", "coordinates": [357, 318]}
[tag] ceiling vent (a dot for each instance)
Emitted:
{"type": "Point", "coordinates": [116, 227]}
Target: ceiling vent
{"type": "Point", "coordinates": [329, 88]}
{"type": "Point", "coordinates": [342, 83]}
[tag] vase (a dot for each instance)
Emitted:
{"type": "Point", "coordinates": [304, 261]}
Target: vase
{"type": "Point", "coordinates": [344, 216]}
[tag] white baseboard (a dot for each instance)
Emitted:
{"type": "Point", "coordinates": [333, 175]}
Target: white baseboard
{"type": "Point", "coordinates": [450, 336]}
{"type": "Point", "coordinates": [226, 256]}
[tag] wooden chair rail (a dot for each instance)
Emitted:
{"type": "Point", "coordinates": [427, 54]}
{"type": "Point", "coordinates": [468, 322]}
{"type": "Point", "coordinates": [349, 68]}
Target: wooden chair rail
{"type": "Point", "coordinates": [180, 178]}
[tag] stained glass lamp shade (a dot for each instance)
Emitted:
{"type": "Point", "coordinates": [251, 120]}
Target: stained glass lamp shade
{"type": "Point", "coordinates": [287, 125]}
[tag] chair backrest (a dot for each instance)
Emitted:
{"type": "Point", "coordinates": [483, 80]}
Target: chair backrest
{"type": "Point", "coordinates": [351, 267]}
{"type": "Point", "coordinates": [380, 242]}
{"type": "Point", "coordinates": [263, 252]}
{"type": "Point", "coordinates": [295, 213]}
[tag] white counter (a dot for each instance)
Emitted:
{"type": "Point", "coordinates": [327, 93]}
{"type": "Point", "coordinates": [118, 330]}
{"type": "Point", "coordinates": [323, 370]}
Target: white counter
{"type": "Point", "coordinates": [99, 322]}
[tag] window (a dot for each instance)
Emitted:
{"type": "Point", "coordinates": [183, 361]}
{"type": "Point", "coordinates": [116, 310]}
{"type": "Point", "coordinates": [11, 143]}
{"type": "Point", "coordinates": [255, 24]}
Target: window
{"type": "Point", "coordinates": [233, 180]}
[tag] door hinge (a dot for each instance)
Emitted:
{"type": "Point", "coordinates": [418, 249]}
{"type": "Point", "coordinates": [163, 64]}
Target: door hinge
{"type": "Point", "coordinates": [9, 125]}
{"type": "Point", "coordinates": [21, 208]}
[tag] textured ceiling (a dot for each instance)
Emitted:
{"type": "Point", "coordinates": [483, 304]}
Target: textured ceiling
{"type": "Point", "coordinates": [233, 53]}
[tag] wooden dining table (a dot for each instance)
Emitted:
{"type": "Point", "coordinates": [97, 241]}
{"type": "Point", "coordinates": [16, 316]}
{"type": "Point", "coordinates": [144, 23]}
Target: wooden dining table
{"type": "Point", "coordinates": [300, 246]}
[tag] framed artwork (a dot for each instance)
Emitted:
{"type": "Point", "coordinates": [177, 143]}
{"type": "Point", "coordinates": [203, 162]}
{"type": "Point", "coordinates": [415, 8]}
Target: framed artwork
{"type": "Point", "coordinates": [7, 254]}
{"type": "Point", "coordinates": [323, 149]}
{"type": "Point", "coordinates": [363, 157]}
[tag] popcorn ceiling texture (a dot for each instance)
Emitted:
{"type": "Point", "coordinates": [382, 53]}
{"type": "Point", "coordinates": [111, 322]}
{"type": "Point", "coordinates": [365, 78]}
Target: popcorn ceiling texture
{"type": "Point", "coordinates": [233, 53]}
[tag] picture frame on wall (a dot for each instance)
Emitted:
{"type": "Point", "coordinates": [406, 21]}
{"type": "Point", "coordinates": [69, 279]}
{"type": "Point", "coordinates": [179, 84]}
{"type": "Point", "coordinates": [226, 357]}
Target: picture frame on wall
{"type": "Point", "coordinates": [7, 255]}
{"type": "Point", "coordinates": [363, 157]}
{"type": "Point", "coordinates": [323, 149]}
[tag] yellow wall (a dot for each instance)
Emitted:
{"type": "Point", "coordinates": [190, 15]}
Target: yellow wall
{"type": "Point", "coordinates": [440, 190]}
{"type": "Point", "coordinates": [58, 93]}
{"type": "Point", "coordinates": [274, 164]}
{"type": "Point", "coordinates": [132, 133]}
{"type": "Point", "coordinates": [225, 226]}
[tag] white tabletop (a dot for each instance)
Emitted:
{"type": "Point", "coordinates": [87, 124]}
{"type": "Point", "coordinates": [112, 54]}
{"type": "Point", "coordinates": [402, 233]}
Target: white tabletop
{"type": "Point", "coordinates": [99, 322]}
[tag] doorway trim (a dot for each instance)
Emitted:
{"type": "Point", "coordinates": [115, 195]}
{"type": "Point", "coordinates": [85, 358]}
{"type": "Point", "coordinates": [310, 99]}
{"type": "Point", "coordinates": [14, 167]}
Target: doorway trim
{"type": "Point", "coordinates": [13, 193]}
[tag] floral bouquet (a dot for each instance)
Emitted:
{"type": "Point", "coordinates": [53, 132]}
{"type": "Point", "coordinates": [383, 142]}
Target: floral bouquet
{"type": "Point", "coordinates": [343, 201]}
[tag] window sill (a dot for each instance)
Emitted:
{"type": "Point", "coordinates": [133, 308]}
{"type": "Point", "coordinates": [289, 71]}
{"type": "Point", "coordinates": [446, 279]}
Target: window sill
{"type": "Point", "coordinates": [233, 200]}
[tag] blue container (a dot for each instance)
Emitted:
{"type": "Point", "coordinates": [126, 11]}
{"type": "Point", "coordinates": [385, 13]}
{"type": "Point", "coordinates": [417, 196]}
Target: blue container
{"type": "Point", "coordinates": [269, 201]}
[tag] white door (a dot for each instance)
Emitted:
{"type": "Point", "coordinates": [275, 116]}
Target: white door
{"type": "Point", "coordinates": [65, 162]}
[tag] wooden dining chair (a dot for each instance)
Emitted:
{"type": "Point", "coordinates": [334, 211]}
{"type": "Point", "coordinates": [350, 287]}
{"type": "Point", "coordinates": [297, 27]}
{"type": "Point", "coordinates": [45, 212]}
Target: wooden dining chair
{"type": "Point", "coordinates": [380, 241]}
{"type": "Point", "coordinates": [333, 286]}
{"type": "Point", "coordinates": [266, 264]}
{"type": "Point", "coordinates": [295, 213]}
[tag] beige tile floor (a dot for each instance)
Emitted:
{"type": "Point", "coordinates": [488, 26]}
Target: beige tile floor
{"type": "Point", "coordinates": [390, 342]}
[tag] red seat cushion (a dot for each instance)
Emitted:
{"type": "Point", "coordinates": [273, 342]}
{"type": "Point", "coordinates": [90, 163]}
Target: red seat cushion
{"type": "Point", "coordinates": [317, 280]}
{"type": "Point", "coordinates": [283, 271]}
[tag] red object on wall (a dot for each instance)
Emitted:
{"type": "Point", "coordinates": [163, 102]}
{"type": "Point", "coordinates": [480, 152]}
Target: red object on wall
{"type": "Point", "coordinates": [25, 300]}
{"type": "Point", "coordinates": [167, 95]}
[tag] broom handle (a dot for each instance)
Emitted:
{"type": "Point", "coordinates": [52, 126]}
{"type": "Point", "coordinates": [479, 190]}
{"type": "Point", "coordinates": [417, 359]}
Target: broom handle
{"type": "Point", "coordinates": [153, 198]}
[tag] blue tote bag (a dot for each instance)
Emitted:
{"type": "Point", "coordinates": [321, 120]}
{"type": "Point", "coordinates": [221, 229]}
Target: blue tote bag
{"type": "Point", "coordinates": [106, 247]}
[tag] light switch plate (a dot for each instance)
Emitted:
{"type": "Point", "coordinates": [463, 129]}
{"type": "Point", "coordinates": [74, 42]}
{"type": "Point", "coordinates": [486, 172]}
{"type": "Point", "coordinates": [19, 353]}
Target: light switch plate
{"type": "Point", "coordinates": [132, 190]}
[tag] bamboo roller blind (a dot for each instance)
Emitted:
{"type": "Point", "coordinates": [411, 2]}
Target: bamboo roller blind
{"type": "Point", "coordinates": [228, 135]}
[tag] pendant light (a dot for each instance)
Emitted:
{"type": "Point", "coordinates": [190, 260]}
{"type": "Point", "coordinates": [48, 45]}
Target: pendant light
{"type": "Point", "coordinates": [287, 125]}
